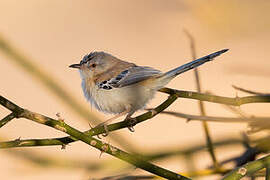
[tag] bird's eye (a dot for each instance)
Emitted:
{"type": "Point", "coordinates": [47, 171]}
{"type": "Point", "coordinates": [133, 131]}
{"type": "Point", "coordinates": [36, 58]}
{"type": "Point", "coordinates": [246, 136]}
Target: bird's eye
{"type": "Point", "coordinates": [93, 65]}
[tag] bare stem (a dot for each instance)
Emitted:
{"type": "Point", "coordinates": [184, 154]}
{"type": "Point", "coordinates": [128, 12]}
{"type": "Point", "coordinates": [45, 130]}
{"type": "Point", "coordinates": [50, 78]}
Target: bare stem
{"type": "Point", "coordinates": [190, 117]}
{"type": "Point", "coordinates": [98, 144]}
{"type": "Point", "coordinates": [7, 119]}
{"type": "Point", "coordinates": [237, 101]}
{"type": "Point", "coordinates": [92, 132]}
{"type": "Point", "coordinates": [123, 124]}
{"type": "Point", "coordinates": [248, 91]}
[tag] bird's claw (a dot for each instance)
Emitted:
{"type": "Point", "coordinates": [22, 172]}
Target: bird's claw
{"type": "Point", "coordinates": [131, 123]}
{"type": "Point", "coordinates": [106, 133]}
{"type": "Point", "coordinates": [131, 129]}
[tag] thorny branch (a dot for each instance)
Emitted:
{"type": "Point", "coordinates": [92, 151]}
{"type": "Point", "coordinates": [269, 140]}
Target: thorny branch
{"type": "Point", "coordinates": [237, 101]}
{"type": "Point", "coordinates": [98, 144]}
{"type": "Point", "coordinates": [87, 136]}
{"type": "Point", "coordinates": [94, 131]}
{"type": "Point", "coordinates": [19, 112]}
{"type": "Point", "coordinates": [141, 118]}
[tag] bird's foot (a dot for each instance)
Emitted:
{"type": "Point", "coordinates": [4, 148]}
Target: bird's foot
{"type": "Point", "coordinates": [131, 123]}
{"type": "Point", "coordinates": [106, 133]}
{"type": "Point", "coordinates": [105, 123]}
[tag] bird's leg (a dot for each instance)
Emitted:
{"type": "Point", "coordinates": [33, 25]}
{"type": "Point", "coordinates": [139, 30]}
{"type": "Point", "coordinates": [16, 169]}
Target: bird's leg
{"type": "Point", "coordinates": [105, 123]}
{"type": "Point", "coordinates": [131, 121]}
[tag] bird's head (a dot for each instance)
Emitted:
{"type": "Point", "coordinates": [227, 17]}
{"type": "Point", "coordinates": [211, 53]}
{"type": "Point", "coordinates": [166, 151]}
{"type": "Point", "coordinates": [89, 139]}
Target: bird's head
{"type": "Point", "coordinates": [94, 64]}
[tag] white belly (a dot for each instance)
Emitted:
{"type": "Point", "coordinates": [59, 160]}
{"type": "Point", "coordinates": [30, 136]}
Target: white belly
{"type": "Point", "coordinates": [118, 100]}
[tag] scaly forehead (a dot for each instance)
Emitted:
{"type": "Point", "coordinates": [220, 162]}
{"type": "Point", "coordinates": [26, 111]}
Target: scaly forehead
{"type": "Point", "coordinates": [91, 56]}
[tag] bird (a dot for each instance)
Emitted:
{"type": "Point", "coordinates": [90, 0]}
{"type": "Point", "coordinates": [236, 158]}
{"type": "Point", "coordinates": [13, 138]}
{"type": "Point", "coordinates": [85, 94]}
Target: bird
{"type": "Point", "coordinates": [115, 86]}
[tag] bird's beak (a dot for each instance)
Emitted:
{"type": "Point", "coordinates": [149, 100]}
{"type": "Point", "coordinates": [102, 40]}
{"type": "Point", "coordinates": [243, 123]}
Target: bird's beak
{"type": "Point", "coordinates": [75, 66]}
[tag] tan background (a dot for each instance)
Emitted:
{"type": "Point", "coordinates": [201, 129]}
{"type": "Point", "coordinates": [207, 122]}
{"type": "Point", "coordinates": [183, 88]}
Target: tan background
{"type": "Point", "coordinates": [55, 34]}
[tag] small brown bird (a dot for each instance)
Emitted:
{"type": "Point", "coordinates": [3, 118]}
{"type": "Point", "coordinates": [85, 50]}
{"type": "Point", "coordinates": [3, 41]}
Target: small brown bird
{"type": "Point", "coordinates": [119, 87]}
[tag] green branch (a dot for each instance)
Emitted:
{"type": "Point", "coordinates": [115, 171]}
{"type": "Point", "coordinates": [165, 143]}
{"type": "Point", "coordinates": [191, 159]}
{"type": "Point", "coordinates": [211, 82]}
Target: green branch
{"type": "Point", "coordinates": [248, 169]}
{"type": "Point", "coordinates": [98, 144]}
{"type": "Point", "coordinates": [92, 132]}
{"type": "Point", "coordinates": [123, 124]}
{"type": "Point", "coordinates": [7, 119]}
{"type": "Point", "coordinates": [237, 101]}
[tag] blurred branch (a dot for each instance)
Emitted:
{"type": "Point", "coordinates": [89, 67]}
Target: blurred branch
{"type": "Point", "coordinates": [236, 110]}
{"type": "Point", "coordinates": [249, 91]}
{"type": "Point", "coordinates": [256, 126]}
{"type": "Point", "coordinates": [184, 151]}
{"type": "Point", "coordinates": [207, 172]}
{"type": "Point", "coordinates": [237, 101]}
{"type": "Point", "coordinates": [123, 124]}
{"type": "Point", "coordinates": [267, 175]}
{"type": "Point", "coordinates": [50, 161]}
{"type": "Point", "coordinates": [98, 144]}
{"type": "Point", "coordinates": [92, 132]}
{"type": "Point", "coordinates": [248, 169]}
{"type": "Point", "coordinates": [190, 117]}
{"type": "Point", "coordinates": [194, 148]}
{"type": "Point", "coordinates": [126, 177]}
{"type": "Point", "coordinates": [263, 144]}
{"type": "Point", "coordinates": [249, 155]}
{"type": "Point", "coordinates": [7, 119]}
{"type": "Point", "coordinates": [201, 105]}
{"type": "Point", "coordinates": [52, 84]}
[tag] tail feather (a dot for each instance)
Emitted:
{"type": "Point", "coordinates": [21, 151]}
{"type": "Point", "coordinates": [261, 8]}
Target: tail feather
{"type": "Point", "coordinates": [193, 64]}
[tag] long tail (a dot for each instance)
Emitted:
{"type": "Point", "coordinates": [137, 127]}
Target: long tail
{"type": "Point", "coordinates": [192, 64]}
{"type": "Point", "coordinates": [166, 77]}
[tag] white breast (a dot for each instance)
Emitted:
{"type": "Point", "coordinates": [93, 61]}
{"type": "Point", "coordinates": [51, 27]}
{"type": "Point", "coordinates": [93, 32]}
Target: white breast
{"type": "Point", "coordinates": [118, 100]}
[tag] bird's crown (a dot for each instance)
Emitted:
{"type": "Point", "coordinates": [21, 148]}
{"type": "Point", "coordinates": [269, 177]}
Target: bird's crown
{"type": "Point", "coordinates": [90, 56]}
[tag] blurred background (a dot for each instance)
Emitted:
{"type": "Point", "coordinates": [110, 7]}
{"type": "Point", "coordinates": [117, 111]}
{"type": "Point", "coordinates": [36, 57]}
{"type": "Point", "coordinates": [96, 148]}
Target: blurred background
{"type": "Point", "coordinates": [55, 34]}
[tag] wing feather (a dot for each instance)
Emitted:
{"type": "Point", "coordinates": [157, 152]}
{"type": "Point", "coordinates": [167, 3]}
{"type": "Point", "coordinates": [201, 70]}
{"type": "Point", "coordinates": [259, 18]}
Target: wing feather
{"type": "Point", "coordinates": [134, 75]}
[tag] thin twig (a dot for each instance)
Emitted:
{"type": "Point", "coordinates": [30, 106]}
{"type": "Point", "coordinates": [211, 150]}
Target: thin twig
{"type": "Point", "coordinates": [7, 119]}
{"type": "Point", "coordinates": [217, 118]}
{"type": "Point", "coordinates": [249, 91]}
{"type": "Point", "coordinates": [235, 110]}
{"type": "Point", "coordinates": [237, 101]}
{"type": "Point", "coordinates": [98, 144]}
{"type": "Point", "coordinates": [201, 105]}
{"type": "Point", "coordinates": [194, 148]}
{"type": "Point", "coordinates": [45, 160]}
